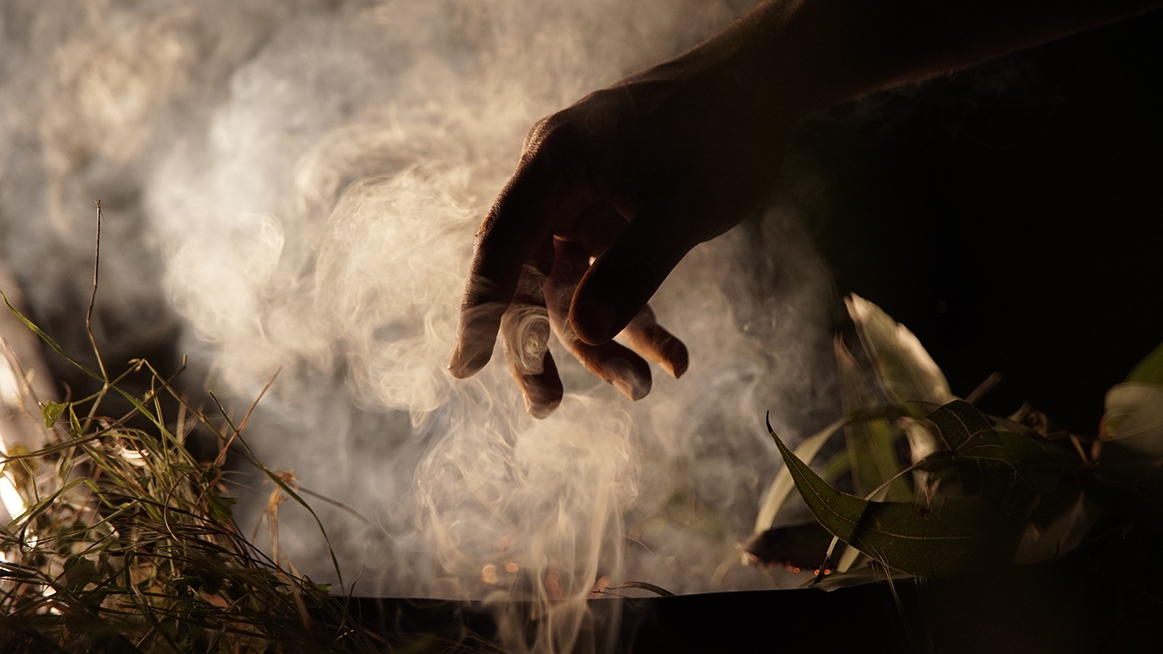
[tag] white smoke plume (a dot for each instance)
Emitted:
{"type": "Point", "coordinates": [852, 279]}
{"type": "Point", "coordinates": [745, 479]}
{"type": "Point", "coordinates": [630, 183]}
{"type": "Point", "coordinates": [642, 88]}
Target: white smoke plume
{"type": "Point", "coordinates": [295, 185]}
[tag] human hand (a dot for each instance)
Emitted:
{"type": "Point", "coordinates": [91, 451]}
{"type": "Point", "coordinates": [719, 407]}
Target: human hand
{"type": "Point", "coordinates": [630, 178]}
{"type": "Point", "coordinates": [636, 175]}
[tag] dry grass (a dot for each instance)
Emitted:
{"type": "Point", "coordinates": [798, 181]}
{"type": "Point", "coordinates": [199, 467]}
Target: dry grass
{"type": "Point", "coordinates": [127, 542]}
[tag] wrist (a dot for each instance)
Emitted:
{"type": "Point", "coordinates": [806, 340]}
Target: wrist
{"type": "Point", "coordinates": [817, 53]}
{"type": "Point", "coordinates": [769, 60]}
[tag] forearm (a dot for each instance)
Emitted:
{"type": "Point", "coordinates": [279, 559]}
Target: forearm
{"type": "Point", "coordinates": [815, 53]}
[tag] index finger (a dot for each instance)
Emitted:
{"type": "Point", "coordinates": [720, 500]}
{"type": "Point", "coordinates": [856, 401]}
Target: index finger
{"type": "Point", "coordinates": [510, 235]}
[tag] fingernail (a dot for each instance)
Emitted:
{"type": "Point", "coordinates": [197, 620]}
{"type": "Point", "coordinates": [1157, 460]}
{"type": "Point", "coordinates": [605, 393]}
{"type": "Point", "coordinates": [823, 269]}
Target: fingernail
{"type": "Point", "coordinates": [678, 357]}
{"type": "Point", "coordinates": [455, 368]}
{"type": "Point", "coordinates": [624, 388]}
{"type": "Point", "coordinates": [463, 367]}
{"type": "Point", "coordinates": [541, 411]}
{"type": "Point", "coordinates": [623, 377]}
{"type": "Point", "coordinates": [543, 392]}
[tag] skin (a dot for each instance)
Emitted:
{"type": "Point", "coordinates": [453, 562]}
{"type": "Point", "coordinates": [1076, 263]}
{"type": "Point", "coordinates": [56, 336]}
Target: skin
{"type": "Point", "coordinates": [634, 176]}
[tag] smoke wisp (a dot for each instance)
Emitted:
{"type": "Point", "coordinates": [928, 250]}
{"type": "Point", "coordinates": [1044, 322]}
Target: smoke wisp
{"type": "Point", "coordinates": [295, 185]}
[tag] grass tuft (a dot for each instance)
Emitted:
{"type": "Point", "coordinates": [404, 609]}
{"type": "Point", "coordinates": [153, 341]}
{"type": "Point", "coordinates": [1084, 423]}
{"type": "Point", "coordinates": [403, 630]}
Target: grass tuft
{"type": "Point", "coordinates": [127, 543]}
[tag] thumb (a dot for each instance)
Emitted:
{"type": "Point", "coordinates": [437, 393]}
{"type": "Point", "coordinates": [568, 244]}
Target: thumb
{"type": "Point", "coordinates": [621, 281]}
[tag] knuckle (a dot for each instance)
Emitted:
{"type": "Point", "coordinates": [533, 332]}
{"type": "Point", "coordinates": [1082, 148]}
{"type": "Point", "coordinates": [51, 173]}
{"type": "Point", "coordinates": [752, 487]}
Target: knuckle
{"type": "Point", "coordinates": [535, 134]}
{"type": "Point", "coordinates": [555, 133]}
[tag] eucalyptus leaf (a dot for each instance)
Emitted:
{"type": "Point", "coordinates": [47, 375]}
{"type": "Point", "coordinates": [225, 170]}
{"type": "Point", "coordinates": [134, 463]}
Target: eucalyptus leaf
{"type": "Point", "coordinates": [922, 444]}
{"type": "Point", "coordinates": [1039, 463]}
{"type": "Point", "coordinates": [983, 464]}
{"type": "Point", "coordinates": [847, 559]}
{"type": "Point", "coordinates": [1058, 525]}
{"type": "Point", "coordinates": [781, 486]}
{"type": "Point", "coordinates": [963, 534]}
{"type": "Point", "coordinates": [904, 368]}
{"type": "Point", "coordinates": [871, 452]}
{"type": "Point", "coordinates": [1134, 418]}
{"type": "Point", "coordinates": [1150, 369]}
{"type": "Point", "coordinates": [966, 431]}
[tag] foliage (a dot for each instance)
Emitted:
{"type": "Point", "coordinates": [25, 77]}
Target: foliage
{"type": "Point", "coordinates": [986, 491]}
{"type": "Point", "coordinates": [1134, 410]}
{"type": "Point", "coordinates": [1003, 480]}
{"type": "Point", "coordinates": [127, 542]}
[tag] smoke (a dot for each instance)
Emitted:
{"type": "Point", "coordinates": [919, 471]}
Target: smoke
{"type": "Point", "coordinates": [292, 187]}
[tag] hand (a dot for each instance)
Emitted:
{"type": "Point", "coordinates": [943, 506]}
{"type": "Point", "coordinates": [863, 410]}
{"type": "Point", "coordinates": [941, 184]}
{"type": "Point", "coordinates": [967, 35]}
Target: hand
{"type": "Point", "coordinates": [636, 175]}
{"type": "Point", "coordinates": [630, 178]}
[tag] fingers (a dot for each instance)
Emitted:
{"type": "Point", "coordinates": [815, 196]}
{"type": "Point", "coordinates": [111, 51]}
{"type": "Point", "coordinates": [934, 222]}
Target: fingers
{"type": "Point", "coordinates": [598, 226]}
{"type": "Point", "coordinates": [619, 366]}
{"type": "Point", "coordinates": [510, 235]}
{"type": "Point", "coordinates": [541, 304]}
{"type": "Point", "coordinates": [652, 341]}
{"type": "Point", "coordinates": [525, 337]}
{"type": "Point", "coordinates": [644, 335]}
{"type": "Point", "coordinates": [620, 282]}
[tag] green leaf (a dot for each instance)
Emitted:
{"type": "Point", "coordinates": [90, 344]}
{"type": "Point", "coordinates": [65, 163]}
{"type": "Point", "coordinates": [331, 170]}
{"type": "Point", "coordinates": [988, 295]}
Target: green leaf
{"type": "Point", "coordinates": [323, 589]}
{"type": "Point", "coordinates": [52, 412]}
{"type": "Point", "coordinates": [1150, 369]}
{"type": "Point", "coordinates": [903, 367]}
{"type": "Point", "coordinates": [871, 452]}
{"type": "Point", "coordinates": [221, 508]}
{"type": "Point", "coordinates": [1134, 409]}
{"type": "Point", "coordinates": [961, 535]}
{"type": "Point", "coordinates": [966, 431]}
{"type": "Point", "coordinates": [49, 341]}
{"type": "Point", "coordinates": [1134, 419]}
{"type": "Point", "coordinates": [781, 487]}
{"type": "Point", "coordinates": [1039, 463]}
{"type": "Point", "coordinates": [992, 460]}
{"type": "Point", "coordinates": [983, 463]}
{"type": "Point", "coordinates": [1058, 524]}
{"type": "Point", "coordinates": [873, 459]}
{"type": "Point", "coordinates": [79, 572]}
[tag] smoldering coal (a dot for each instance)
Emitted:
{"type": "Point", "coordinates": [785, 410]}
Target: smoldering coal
{"type": "Point", "coordinates": [294, 187]}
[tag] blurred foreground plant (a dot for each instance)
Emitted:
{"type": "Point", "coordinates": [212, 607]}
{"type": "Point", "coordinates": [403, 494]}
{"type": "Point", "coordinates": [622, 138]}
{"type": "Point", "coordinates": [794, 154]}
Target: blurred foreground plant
{"type": "Point", "coordinates": [123, 541]}
{"type": "Point", "coordinates": [980, 491]}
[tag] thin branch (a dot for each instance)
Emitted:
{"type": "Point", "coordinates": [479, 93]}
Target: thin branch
{"type": "Point", "coordinates": [93, 297]}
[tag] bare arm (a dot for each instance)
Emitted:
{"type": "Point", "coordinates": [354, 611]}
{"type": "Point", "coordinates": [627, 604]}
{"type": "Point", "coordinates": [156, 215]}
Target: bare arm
{"type": "Point", "coordinates": [829, 50]}
{"type": "Point", "coordinates": [636, 175]}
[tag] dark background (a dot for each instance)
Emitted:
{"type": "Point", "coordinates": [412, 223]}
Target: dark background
{"type": "Point", "coordinates": [1009, 215]}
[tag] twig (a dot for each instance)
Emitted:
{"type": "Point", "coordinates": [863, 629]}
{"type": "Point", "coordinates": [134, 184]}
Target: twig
{"type": "Point", "coordinates": [984, 387]}
{"type": "Point", "coordinates": [221, 458]}
{"type": "Point", "coordinates": [93, 297]}
{"type": "Point", "coordinates": [642, 585]}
